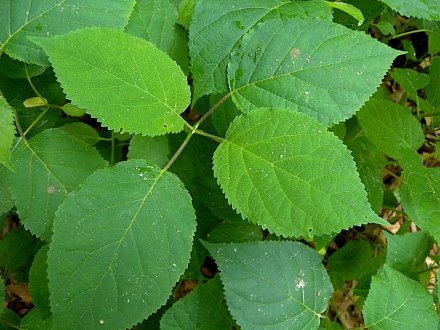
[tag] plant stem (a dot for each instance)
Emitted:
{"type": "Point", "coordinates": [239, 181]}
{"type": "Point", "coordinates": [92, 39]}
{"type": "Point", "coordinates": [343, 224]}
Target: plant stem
{"type": "Point", "coordinates": [35, 90]}
{"type": "Point", "coordinates": [213, 108]}
{"type": "Point", "coordinates": [211, 136]}
{"type": "Point", "coordinates": [408, 33]}
{"type": "Point", "coordinates": [177, 153]}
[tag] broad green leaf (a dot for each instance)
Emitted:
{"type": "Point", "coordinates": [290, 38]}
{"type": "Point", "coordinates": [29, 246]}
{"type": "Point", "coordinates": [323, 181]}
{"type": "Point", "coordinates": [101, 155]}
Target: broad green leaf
{"type": "Point", "coordinates": [420, 194]}
{"type": "Point", "coordinates": [9, 320]}
{"type": "Point", "coordinates": [391, 127]}
{"type": "Point", "coordinates": [21, 19]}
{"type": "Point", "coordinates": [6, 201]}
{"type": "Point", "coordinates": [314, 66]}
{"type": "Point", "coordinates": [397, 302]}
{"type": "Point", "coordinates": [429, 9]}
{"type": "Point", "coordinates": [15, 248]}
{"type": "Point", "coordinates": [153, 149]}
{"type": "Point", "coordinates": [351, 262]}
{"type": "Point", "coordinates": [217, 26]}
{"type": "Point", "coordinates": [35, 320]}
{"type": "Point", "coordinates": [119, 246]}
{"type": "Point", "coordinates": [283, 171]}
{"type": "Point", "coordinates": [7, 132]}
{"type": "Point", "coordinates": [154, 21]}
{"type": "Point", "coordinates": [17, 69]}
{"type": "Point", "coordinates": [203, 308]}
{"type": "Point", "coordinates": [234, 231]}
{"type": "Point", "coordinates": [407, 253]}
{"type": "Point", "coordinates": [433, 88]}
{"type": "Point", "coordinates": [38, 282]}
{"type": "Point", "coordinates": [410, 80]}
{"type": "Point", "coordinates": [124, 81]}
{"type": "Point", "coordinates": [48, 167]}
{"type": "Point", "coordinates": [349, 9]}
{"type": "Point", "coordinates": [276, 285]}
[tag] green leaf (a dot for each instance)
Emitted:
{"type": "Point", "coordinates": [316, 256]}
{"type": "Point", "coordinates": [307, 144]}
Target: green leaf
{"type": "Point", "coordinates": [119, 246]}
{"type": "Point", "coordinates": [407, 253]}
{"type": "Point", "coordinates": [125, 79]}
{"type": "Point", "coordinates": [6, 201]}
{"type": "Point", "coordinates": [38, 282]}
{"type": "Point", "coordinates": [420, 196]}
{"type": "Point", "coordinates": [416, 8]}
{"type": "Point", "coordinates": [35, 320]}
{"type": "Point", "coordinates": [48, 167]}
{"type": "Point", "coordinates": [391, 127]}
{"type": "Point", "coordinates": [17, 69]}
{"type": "Point", "coordinates": [7, 132]}
{"type": "Point", "coordinates": [234, 231]}
{"type": "Point", "coordinates": [2, 295]}
{"type": "Point", "coordinates": [153, 149]}
{"type": "Point", "coordinates": [410, 80]}
{"type": "Point", "coordinates": [397, 302]}
{"type": "Point", "coordinates": [186, 10]}
{"type": "Point", "coordinates": [349, 9]}
{"type": "Point", "coordinates": [276, 285]}
{"type": "Point", "coordinates": [351, 262]}
{"type": "Point", "coordinates": [282, 170]}
{"type": "Point", "coordinates": [15, 248]}
{"type": "Point", "coordinates": [82, 131]}
{"type": "Point", "coordinates": [287, 64]}
{"type": "Point", "coordinates": [433, 88]}
{"type": "Point", "coordinates": [24, 18]}
{"type": "Point", "coordinates": [203, 308]}
{"type": "Point", "coordinates": [218, 25]}
{"type": "Point", "coordinates": [154, 21]}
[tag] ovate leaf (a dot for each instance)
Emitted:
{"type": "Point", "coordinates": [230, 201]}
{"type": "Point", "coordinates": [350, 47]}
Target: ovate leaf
{"type": "Point", "coordinates": [276, 285]}
{"type": "Point", "coordinates": [217, 25]}
{"type": "Point", "coordinates": [7, 131]}
{"type": "Point", "coordinates": [417, 8]}
{"type": "Point", "coordinates": [410, 80]}
{"type": "Point", "coordinates": [48, 167]}
{"type": "Point", "coordinates": [38, 282]}
{"type": "Point", "coordinates": [124, 81]}
{"type": "Point", "coordinates": [204, 308]}
{"type": "Point", "coordinates": [119, 246]}
{"type": "Point", "coordinates": [420, 193]}
{"type": "Point", "coordinates": [397, 302]}
{"type": "Point", "coordinates": [153, 149]}
{"type": "Point", "coordinates": [348, 8]}
{"type": "Point", "coordinates": [314, 66]}
{"type": "Point", "coordinates": [391, 127]}
{"type": "Point", "coordinates": [284, 171]}
{"type": "Point", "coordinates": [24, 18]}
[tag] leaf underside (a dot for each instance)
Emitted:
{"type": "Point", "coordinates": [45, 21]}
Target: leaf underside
{"type": "Point", "coordinates": [285, 172]}
{"type": "Point", "coordinates": [119, 246]}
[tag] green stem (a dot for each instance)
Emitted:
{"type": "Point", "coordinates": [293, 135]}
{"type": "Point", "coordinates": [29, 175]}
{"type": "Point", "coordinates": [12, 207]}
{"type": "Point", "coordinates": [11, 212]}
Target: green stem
{"type": "Point", "coordinates": [41, 115]}
{"type": "Point", "coordinates": [193, 130]}
{"type": "Point", "coordinates": [35, 90]}
{"type": "Point", "coordinates": [408, 33]}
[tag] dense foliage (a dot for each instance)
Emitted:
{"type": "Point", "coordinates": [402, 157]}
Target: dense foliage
{"type": "Point", "coordinates": [276, 159]}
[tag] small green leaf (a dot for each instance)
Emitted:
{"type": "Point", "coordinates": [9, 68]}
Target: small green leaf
{"type": "Point", "coordinates": [349, 9]}
{"type": "Point", "coordinates": [407, 253]}
{"type": "Point", "coordinates": [48, 167]}
{"type": "Point", "coordinates": [202, 309]}
{"type": "Point", "coordinates": [235, 231]}
{"type": "Point", "coordinates": [391, 127]}
{"type": "Point", "coordinates": [119, 246]}
{"type": "Point", "coordinates": [38, 282]}
{"type": "Point", "coordinates": [15, 248]}
{"type": "Point", "coordinates": [217, 26]}
{"type": "Point", "coordinates": [416, 8]}
{"type": "Point", "coordinates": [433, 88]}
{"type": "Point", "coordinates": [153, 149]}
{"type": "Point", "coordinates": [7, 131]}
{"type": "Point", "coordinates": [24, 18]}
{"type": "Point", "coordinates": [285, 172]}
{"type": "Point", "coordinates": [6, 201]}
{"type": "Point", "coordinates": [314, 66]}
{"type": "Point", "coordinates": [135, 87]}
{"type": "Point", "coordinates": [276, 285]}
{"type": "Point", "coordinates": [420, 194]}
{"type": "Point", "coordinates": [35, 320]}
{"type": "Point", "coordinates": [410, 80]}
{"type": "Point", "coordinates": [73, 110]}
{"type": "Point", "coordinates": [397, 302]}
{"type": "Point", "coordinates": [34, 102]}
{"type": "Point", "coordinates": [82, 131]}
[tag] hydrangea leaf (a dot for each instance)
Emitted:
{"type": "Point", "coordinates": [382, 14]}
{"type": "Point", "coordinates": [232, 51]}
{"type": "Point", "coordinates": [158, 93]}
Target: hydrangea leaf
{"type": "Point", "coordinates": [276, 285]}
{"type": "Point", "coordinates": [285, 172]}
{"type": "Point", "coordinates": [397, 302]}
{"type": "Point", "coordinates": [7, 132]}
{"type": "Point", "coordinates": [119, 246]}
{"type": "Point", "coordinates": [217, 26]}
{"type": "Point", "coordinates": [125, 82]}
{"type": "Point", "coordinates": [153, 149]}
{"type": "Point", "coordinates": [416, 8]}
{"type": "Point", "coordinates": [420, 194]}
{"type": "Point", "coordinates": [314, 66]}
{"type": "Point", "coordinates": [203, 308]}
{"type": "Point", "coordinates": [48, 167]}
{"type": "Point", "coordinates": [396, 131]}
{"type": "Point", "coordinates": [24, 18]}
